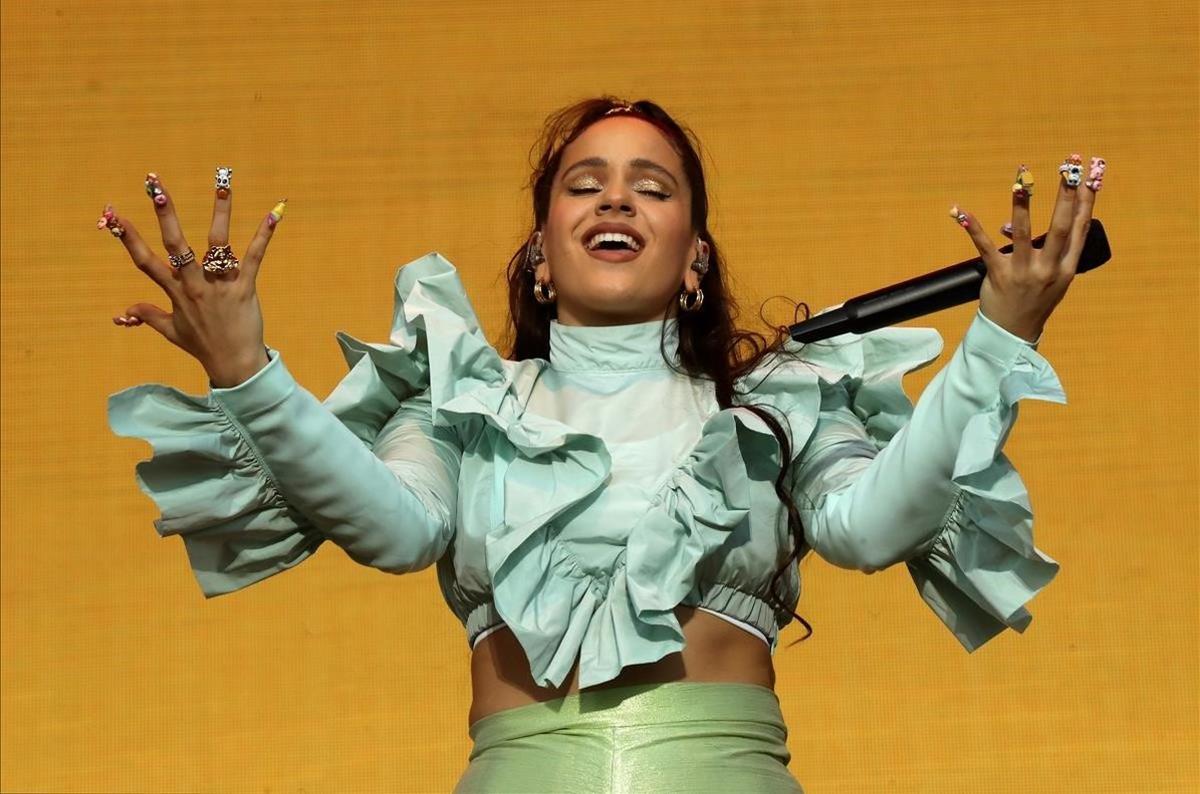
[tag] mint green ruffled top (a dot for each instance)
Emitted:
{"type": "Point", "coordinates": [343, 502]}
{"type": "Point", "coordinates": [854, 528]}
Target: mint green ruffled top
{"type": "Point", "coordinates": [580, 499]}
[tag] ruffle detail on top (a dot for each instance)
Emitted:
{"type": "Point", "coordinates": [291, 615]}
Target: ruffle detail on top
{"type": "Point", "coordinates": [627, 617]}
{"type": "Point", "coordinates": [558, 611]}
{"type": "Point", "coordinates": [982, 567]}
{"type": "Point", "coordinates": [609, 621]}
{"type": "Point", "coordinates": [542, 467]}
{"type": "Point", "coordinates": [211, 488]}
{"type": "Point", "coordinates": [871, 366]}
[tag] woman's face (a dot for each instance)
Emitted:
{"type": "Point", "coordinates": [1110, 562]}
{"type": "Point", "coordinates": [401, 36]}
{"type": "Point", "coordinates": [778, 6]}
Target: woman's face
{"type": "Point", "coordinates": [621, 175]}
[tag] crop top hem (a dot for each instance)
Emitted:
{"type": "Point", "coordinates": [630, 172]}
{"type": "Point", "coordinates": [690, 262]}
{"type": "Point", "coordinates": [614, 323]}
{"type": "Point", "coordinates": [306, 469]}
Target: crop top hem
{"type": "Point", "coordinates": [745, 610]}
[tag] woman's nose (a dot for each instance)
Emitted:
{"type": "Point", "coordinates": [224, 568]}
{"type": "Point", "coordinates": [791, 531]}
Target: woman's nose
{"type": "Point", "coordinates": [614, 196]}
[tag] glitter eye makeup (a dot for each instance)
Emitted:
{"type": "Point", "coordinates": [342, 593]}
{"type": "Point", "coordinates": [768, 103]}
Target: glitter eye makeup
{"type": "Point", "coordinates": [585, 183]}
{"type": "Point", "coordinates": [650, 186]}
{"type": "Point", "coordinates": [589, 183]}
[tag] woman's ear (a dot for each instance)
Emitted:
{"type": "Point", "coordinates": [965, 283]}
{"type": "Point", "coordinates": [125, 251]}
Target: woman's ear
{"type": "Point", "coordinates": [536, 257]}
{"type": "Point", "coordinates": [691, 278]}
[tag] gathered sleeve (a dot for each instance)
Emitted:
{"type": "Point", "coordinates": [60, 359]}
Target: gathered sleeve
{"type": "Point", "coordinates": [394, 513]}
{"type": "Point", "coordinates": [255, 477]}
{"type": "Point", "coordinates": [881, 481]}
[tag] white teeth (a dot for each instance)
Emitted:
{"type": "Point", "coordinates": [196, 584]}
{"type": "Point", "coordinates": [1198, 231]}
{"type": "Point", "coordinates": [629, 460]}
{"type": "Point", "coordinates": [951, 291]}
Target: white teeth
{"type": "Point", "coordinates": [612, 237]}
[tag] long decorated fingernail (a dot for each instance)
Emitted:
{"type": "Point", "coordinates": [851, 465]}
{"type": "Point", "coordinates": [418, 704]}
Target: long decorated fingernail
{"type": "Point", "coordinates": [276, 214]}
{"type": "Point", "coordinates": [109, 220]}
{"type": "Point", "coordinates": [1007, 229]}
{"type": "Point", "coordinates": [223, 179]}
{"type": "Point", "coordinates": [1023, 185]}
{"type": "Point", "coordinates": [154, 189]}
{"type": "Point", "coordinates": [1096, 174]}
{"type": "Point", "coordinates": [959, 216]}
{"type": "Point", "coordinates": [1071, 170]}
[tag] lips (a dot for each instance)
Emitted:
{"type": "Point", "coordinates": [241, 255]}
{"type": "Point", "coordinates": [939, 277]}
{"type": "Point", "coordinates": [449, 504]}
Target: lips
{"type": "Point", "coordinates": [613, 255]}
{"type": "Point", "coordinates": [614, 228]}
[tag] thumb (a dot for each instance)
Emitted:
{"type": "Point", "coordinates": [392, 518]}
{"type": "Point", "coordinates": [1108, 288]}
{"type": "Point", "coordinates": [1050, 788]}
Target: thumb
{"type": "Point", "coordinates": [154, 317]}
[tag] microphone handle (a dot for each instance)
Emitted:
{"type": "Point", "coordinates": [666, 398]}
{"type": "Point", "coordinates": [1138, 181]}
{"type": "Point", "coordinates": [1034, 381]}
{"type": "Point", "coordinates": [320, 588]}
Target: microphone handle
{"type": "Point", "coordinates": [928, 293]}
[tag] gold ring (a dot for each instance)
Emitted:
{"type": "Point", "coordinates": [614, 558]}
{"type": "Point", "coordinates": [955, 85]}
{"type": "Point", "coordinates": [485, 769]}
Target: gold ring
{"type": "Point", "coordinates": [219, 259]}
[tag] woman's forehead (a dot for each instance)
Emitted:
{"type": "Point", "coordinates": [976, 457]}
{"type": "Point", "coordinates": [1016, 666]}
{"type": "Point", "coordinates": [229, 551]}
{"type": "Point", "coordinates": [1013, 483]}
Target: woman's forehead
{"type": "Point", "coordinates": [621, 139]}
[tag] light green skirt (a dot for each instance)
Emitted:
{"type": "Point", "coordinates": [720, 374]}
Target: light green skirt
{"type": "Point", "coordinates": [673, 737]}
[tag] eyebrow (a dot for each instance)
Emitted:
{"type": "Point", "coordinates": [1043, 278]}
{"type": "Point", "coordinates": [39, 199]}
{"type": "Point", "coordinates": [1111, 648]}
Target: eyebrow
{"type": "Point", "coordinates": [637, 162]}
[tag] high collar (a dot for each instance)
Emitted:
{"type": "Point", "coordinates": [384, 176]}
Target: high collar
{"type": "Point", "coordinates": [613, 348]}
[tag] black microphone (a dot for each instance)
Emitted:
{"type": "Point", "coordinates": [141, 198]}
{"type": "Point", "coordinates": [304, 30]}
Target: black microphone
{"type": "Point", "coordinates": [929, 293]}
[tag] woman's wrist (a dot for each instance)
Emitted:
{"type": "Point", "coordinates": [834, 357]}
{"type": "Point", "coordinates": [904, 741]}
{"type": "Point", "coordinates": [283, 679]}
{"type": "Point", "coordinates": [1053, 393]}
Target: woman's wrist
{"type": "Point", "coordinates": [238, 372]}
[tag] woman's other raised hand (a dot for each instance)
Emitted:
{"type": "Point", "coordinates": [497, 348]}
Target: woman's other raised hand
{"type": "Point", "coordinates": [215, 314]}
{"type": "Point", "coordinates": [1022, 288]}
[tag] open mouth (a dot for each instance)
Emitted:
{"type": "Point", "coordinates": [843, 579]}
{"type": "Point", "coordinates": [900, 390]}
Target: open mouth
{"type": "Point", "coordinates": [613, 246]}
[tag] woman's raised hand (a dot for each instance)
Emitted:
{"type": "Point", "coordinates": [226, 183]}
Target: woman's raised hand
{"type": "Point", "coordinates": [215, 314]}
{"type": "Point", "coordinates": [1022, 288]}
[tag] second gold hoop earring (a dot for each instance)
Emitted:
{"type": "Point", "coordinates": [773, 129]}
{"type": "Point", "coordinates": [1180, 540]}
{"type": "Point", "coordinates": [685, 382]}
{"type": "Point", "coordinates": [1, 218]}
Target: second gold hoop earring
{"type": "Point", "coordinates": [544, 292]}
{"type": "Point", "coordinates": [695, 304]}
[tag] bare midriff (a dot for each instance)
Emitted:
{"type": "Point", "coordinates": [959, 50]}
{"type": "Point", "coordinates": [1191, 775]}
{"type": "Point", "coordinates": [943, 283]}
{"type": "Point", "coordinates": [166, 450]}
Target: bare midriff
{"type": "Point", "coordinates": [715, 651]}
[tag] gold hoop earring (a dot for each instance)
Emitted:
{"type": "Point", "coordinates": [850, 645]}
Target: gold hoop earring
{"type": "Point", "coordinates": [695, 304]}
{"type": "Point", "coordinates": [544, 292]}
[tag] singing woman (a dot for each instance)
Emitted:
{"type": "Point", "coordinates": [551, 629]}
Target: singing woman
{"type": "Point", "coordinates": [617, 506]}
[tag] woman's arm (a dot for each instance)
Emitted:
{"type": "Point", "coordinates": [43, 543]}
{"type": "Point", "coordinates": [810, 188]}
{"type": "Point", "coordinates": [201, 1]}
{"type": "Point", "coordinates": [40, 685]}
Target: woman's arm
{"type": "Point", "coordinates": [869, 502]}
{"type": "Point", "coordinates": [255, 477]}
{"type": "Point", "coordinates": [395, 514]}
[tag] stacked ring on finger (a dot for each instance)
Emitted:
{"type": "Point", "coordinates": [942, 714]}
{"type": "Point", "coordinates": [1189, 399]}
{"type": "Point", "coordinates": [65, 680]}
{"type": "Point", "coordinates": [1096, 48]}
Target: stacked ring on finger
{"type": "Point", "coordinates": [219, 259]}
{"type": "Point", "coordinates": [179, 260]}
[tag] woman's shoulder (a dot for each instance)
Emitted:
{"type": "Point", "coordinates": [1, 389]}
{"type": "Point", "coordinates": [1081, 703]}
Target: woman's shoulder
{"type": "Point", "coordinates": [437, 348]}
{"type": "Point", "coordinates": [435, 335]}
{"type": "Point", "coordinates": [859, 372]}
{"type": "Point", "coordinates": [874, 355]}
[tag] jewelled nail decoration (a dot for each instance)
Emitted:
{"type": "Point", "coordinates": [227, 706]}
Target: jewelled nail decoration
{"type": "Point", "coordinates": [959, 216]}
{"type": "Point", "coordinates": [276, 214]}
{"type": "Point", "coordinates": [1072, 170]}
{"type": "Point", "coordinates": [1023, 185]}
{"type": "Point", "coordinates": [1096, 174]}
{"type": "Point", "coordinates": [154, 190]}
{"type": "Point", "coordinates": [223, 179]}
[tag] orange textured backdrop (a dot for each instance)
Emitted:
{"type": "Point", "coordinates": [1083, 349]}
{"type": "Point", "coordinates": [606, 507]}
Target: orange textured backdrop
{"type": "Point", "coordinates": [837, 136]}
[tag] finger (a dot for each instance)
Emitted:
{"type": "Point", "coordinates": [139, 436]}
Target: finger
{"type": "Point", "coordinates": [1064, 208]}
{"type": "Point", "coordinates": [258, 246]}
{"type": "Point", "coordinates": [1085, 202]}
{"type": "Point", "coordinates": [1022, 235]}
{"type": "Point", "coordinates": [150, 315]}
{"type": "Point", "coordinates": [987, 249]}
{"type": "Point", "coordinates": [168, 224]}
{"type": "Point", "coordinates": [146, 260]}
{"type": "Point", "coordinates": [164, 207]}
{"type": "Point", "coordinates": [218, 233]}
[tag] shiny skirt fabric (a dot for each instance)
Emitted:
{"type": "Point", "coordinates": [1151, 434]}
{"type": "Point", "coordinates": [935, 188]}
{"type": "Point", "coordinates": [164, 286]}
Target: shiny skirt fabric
{"type": "Point", "coordinates": [676, 737]}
